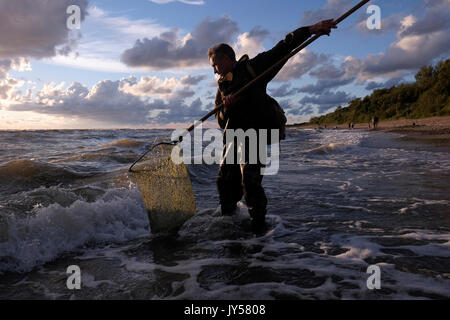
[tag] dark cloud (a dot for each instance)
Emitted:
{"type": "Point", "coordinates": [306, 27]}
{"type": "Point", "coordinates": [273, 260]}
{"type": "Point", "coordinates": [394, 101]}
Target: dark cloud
{"type": "Point", "coordinates": [180, 111]}
{"type": "Point", "coordinates": [388, 84]}
{"type": "Point", "coordinates": [169, 51]}
{"type": "Point", "coordinates": [5, 66]}
{"type": "Point", "coordinates": [293, 109]}
{"type": "Point", "coordinates": [390, 23]}
{"type": "Point", "coordinates": [258, 33]}
{"type": "Point", "coordinates": [327, 100]}
{"type": "Point", "coordinates": [283, 91]}
{"type": "Point", "coordinates": [6, 87]}
{"type": "Point", "coordinates": [36, 28]}
{"type": "Point", "coordinates": [420, 41]}
{"type": "Point", "coordinates": [437, 18]}
{"type": "Point", "coordinates": [324, 85]}
{"type": "Point", "coordinates": [301, 111]}
{"type": "Point", "coordinates": [327, 71]}
{"type": "Point", "coordinates": [193, 80]}
{"type": "Point", "coordinates": [183, 93]}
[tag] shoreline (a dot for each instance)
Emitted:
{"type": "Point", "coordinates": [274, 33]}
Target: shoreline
{"type": "Point", "coordinates": [425, 128]}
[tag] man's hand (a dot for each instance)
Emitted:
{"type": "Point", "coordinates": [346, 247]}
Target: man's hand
{"type": "Point", "coordinates": [229, 101]}
{"type": "Point", "coordinates": [323, 27]}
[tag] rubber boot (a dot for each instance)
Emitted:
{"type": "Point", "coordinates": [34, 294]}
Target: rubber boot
{"type": "Point", "coordinates": [259, 226]}
{"type": "Point", "coordinates": [228, 210]}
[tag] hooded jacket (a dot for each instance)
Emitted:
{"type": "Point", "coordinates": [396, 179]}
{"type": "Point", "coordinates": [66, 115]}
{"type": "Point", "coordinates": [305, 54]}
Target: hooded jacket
{"type": "Point", "coordinates": [252, 110]}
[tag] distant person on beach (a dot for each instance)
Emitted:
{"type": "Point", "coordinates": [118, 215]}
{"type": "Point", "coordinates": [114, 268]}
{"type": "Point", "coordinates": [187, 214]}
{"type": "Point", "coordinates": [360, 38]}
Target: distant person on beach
{"type": "Point", "coordinates": [249, 111]}
{"type": "Point", "coordinates": [375, 122]}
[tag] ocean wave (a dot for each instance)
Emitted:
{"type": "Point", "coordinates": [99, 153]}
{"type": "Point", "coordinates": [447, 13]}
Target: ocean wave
{"type": "Point", "coordinates": [125, 143]}
{"type": "Point", "coordinates": [117, 216]}
{"type": "Point", "coordinates": [99, 157]}
{"type": "Point", "coordinates": [34, 171]}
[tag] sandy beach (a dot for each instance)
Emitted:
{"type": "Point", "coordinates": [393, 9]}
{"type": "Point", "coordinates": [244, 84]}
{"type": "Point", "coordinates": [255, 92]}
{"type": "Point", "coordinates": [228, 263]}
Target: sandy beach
{"type": "Point", "coordinates": [426, 128]}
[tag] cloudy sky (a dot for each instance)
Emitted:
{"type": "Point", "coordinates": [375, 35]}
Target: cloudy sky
{"type": "Point", "coordinates": [143, 63]}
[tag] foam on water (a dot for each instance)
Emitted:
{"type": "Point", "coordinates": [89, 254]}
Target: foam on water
{"type": "Point", "coordinates": [117, 216]}
{"type": "Point", "coordinates": [342, 201]}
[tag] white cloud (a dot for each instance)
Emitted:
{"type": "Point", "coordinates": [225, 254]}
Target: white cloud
{"type": "Point", "coordinates": [151, 86]}
{"type": "Point", "coordinates": [7, 84]}
{"type": "Point", "coordinates": [131, 28]}
{"type": "Point", "coordinates": [407, 22]}
{"type": "Point", "coordinates": [251, 42]}
{"type": "Point", "coordinates": [99, 49]}
{"type": "Point", "coordinates": [91, 62]}
{"type": "Point", "coordinates": [125, 102]}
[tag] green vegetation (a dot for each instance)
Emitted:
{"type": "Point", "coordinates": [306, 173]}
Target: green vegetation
{"type": "Point", "coordinates": [428, 96]}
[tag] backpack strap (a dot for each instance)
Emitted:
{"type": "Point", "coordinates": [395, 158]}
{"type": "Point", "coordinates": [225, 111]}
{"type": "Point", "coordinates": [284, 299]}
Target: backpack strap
{"type": "Point", "coordinates": [251, 70]}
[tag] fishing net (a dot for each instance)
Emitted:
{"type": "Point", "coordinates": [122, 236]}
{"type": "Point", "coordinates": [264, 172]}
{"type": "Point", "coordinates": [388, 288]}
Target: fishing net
{"type": "Point", "coordinates": [166, 189]}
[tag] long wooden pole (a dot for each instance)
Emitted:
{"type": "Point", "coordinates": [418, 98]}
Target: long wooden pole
{"type": "Point", "coordinates": [251, 83]}
{"type": "Point", "coordinates": [279, 63]}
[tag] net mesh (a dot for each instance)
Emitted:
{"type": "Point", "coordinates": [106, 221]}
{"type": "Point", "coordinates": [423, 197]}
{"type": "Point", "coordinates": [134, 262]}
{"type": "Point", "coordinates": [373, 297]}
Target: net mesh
{"type": "Point", "coordinates": [166, 189]}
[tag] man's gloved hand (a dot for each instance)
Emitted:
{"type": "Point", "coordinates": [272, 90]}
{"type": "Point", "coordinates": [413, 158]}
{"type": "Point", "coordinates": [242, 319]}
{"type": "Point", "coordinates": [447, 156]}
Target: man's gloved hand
{"type": "Point", "coordinates": [228, 101]}
{"type": "Point", "coordinates": [323, 27]}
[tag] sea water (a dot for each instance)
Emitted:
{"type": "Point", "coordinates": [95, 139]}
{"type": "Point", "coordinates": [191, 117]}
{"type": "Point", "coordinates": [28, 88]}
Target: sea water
{"type": "Point", "coordinates": [342, 201]}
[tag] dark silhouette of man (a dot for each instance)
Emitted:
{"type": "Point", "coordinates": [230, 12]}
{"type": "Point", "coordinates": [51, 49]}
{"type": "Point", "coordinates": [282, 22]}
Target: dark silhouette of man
{"type": "Point", "coordinates": [251, 110]}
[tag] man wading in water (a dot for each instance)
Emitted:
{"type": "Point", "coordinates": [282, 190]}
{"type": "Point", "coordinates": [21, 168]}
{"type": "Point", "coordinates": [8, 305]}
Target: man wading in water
{"type": "Point", "coordinates": [250, 111]}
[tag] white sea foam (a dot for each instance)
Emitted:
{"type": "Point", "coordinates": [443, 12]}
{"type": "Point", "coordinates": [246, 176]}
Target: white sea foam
{"type": "Point", "coordinates": [117, 216]}
{"type": "Point", "coordinates": [332, 213]}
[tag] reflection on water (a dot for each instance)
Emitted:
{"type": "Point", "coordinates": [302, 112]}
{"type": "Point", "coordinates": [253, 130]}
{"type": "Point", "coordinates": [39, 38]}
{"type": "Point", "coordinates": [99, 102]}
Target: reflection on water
{"type": "Point", "coordinates": [343, 200]}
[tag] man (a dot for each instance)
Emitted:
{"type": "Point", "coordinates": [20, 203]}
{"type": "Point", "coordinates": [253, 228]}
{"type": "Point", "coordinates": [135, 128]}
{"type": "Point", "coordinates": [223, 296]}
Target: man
{"type": "Point", "coordinates": [249, 111]}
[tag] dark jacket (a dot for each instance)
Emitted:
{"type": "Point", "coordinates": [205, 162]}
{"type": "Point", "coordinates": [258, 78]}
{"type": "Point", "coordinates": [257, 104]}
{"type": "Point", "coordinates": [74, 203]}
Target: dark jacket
{"type": "Point", "coordinates": [251, 109]}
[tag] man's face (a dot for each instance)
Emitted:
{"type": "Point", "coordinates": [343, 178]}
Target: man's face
{"type": "Point", "coordinates": [221, 65]}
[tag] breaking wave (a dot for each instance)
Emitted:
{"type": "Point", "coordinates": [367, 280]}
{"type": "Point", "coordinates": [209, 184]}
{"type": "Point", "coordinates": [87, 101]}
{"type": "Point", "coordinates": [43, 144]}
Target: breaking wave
{"type": "Point", "coordinates": [33, 240]}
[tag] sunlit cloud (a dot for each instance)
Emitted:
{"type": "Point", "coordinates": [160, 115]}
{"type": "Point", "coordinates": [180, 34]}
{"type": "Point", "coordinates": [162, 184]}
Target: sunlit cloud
{"type": "Point", "coordinates": [99, 48]}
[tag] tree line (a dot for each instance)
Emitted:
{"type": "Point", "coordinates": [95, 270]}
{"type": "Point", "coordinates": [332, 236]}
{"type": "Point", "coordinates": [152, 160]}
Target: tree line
{"type": "Point", "coordinates": [428, 96]}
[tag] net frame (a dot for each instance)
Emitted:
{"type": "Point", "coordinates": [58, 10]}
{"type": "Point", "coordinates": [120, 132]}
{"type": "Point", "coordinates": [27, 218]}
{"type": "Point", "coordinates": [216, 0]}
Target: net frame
{"type": "Point", "coordinates": [165, 187]}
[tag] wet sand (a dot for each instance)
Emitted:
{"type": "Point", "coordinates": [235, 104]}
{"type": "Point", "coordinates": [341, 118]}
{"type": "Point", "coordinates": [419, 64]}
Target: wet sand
{"type": "Point", "coordinates": [425, 128]}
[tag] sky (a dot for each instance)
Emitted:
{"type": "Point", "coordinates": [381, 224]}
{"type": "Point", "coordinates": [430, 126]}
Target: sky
{"type": "Point", "coordinates": [144, 64]}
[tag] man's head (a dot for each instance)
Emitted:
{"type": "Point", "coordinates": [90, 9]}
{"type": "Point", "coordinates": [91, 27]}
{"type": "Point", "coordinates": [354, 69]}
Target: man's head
{"type": "Point", "coordinates": [222, 58]}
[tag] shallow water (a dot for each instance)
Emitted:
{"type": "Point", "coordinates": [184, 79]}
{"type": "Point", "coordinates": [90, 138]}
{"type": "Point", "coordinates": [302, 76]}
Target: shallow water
{"type": "Point", "coordinates": [342, 201]}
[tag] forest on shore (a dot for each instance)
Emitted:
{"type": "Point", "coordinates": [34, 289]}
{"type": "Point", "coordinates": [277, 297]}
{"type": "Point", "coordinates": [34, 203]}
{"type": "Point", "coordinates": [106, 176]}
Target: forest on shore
{"type": "Point", "coordinates": [428, 96]}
